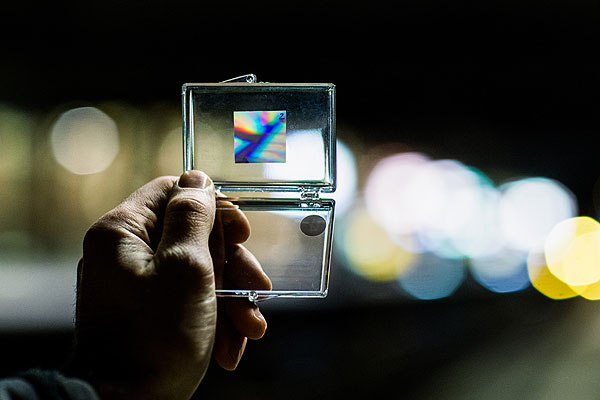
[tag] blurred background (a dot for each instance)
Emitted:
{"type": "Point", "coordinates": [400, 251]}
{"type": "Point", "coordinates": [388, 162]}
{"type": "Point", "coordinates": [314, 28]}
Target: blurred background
{"type": "Point", "coordinates": [467, 249]}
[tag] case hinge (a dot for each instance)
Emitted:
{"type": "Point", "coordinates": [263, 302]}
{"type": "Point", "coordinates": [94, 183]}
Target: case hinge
{"type": "Point", "coordinates": [309, 193]}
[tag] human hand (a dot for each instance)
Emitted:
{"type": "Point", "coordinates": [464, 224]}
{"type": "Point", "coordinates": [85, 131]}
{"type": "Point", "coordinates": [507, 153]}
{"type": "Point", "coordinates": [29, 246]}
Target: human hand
{"type": "Point", "coordinates": [235, 268]}
{"type": "Point", "coordinates": [146, 306]}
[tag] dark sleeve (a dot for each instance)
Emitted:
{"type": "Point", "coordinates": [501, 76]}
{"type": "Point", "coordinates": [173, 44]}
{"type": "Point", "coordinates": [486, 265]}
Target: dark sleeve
{"type": "Point", "coordinates": [45, 385]}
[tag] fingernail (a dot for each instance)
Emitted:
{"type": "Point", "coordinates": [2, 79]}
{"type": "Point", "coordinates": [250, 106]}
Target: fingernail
{"type": "Point", "coordinates": [194, 179]}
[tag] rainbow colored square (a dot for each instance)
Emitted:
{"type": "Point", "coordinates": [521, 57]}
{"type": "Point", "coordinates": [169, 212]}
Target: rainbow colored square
{"type": "Point", "coordinates": [259, 136]}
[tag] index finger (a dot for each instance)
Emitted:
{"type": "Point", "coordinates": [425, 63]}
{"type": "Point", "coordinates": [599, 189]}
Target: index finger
{"type": "Point", "coordinates": [232, 221]}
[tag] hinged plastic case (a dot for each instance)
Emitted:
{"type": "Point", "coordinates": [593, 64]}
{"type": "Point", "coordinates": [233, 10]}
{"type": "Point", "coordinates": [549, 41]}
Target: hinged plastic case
{"type": "Point", "coordinates": [271, 147]}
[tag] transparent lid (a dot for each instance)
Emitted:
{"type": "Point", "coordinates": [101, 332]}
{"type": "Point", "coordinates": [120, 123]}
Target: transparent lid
{"type": "Point", "coordinates": [257, 137]}
{"type": "Point", "coordinates": [291, 240]}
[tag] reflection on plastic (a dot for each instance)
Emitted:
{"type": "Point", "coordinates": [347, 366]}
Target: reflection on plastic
{"type": "Point", "coordinates": [304, 160]}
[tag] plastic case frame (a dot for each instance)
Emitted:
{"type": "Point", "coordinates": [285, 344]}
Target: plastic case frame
{"type": "Point", "coordinates": [271, 148]}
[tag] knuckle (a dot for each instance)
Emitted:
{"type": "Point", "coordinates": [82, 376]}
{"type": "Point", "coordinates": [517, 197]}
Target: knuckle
{"type": "Point", "coordinates": [180, 261]}
{"type": "Point", "coordinates": [198, 210]}
{"type": "Point", "coordinates": [102, 232]}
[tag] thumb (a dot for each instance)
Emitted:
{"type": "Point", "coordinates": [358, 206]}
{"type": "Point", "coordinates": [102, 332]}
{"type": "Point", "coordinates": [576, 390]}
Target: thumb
{"type": "Point", "coordinates": [188, 221]}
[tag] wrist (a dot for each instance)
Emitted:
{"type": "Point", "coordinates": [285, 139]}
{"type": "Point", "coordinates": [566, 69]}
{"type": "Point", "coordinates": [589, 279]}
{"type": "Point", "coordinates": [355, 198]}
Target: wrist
{"type": "Point", "coordinates": [118, 381]}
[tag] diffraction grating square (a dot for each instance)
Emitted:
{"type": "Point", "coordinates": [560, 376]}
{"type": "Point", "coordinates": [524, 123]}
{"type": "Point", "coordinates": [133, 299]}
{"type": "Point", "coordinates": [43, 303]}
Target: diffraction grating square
{"type": "Point", "coordinates": [259, 136]}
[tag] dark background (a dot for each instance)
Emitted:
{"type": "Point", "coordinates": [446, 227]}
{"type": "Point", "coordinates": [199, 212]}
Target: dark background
{"type": "Point", "coordinates": [495, 84]}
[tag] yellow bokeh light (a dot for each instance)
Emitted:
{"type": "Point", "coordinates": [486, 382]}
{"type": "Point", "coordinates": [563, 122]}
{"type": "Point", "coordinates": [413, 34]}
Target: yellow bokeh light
{"type": "Point", "coordinates": [572, 251]}
{"type": "Point", "coordinates": [590, 292]}
{"type": "Point", "coordinates": [543, 280]}
{"type": "Point", "coordinates": [371, 252]}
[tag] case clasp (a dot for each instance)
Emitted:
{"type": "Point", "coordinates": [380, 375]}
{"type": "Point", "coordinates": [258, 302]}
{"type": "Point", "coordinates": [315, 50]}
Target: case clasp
{"type": "Point", "coordinates": [248, 78]}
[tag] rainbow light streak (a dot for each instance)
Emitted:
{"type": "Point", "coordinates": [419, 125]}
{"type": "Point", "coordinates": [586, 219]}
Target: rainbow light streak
{"type": "Point", "coordinates": [259, 136]}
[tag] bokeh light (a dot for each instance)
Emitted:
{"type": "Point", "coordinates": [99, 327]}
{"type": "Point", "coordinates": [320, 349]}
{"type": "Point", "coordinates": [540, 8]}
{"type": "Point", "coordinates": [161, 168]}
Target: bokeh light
{"type": "Point", "coordinates": [369, 251]}
{"type": "Point", "coordinates": [15, 142]}
{"type": "Point", "coordinates": [480, 236]}
{"type": "Point", "coordinates": [449, 202]}
{"type": "Point", "coordinates": [530, 208]}
{"type": "Point", "coordinates": [347, 180]}
{"type": "Point", "coordinates": [503, 272]}
{"type": "Point", "coordinates": [16, 194]}
{"type": "Point", "coordinates": [433, 277]}
{"type": "Point", "coordinates": [589, 292]}
{"type": "Point", "coordinates": [572, 251]}
{"type": "Point", "coordinates": [389, 199]}
{"type": "Point", "coordinates": [421, 222]}
{"type": "Point", "coordinates": [455, 212]}
{"type": "Point", "coordinates": [84, 140]}
{"type": "Point", "coordinates": [450, 208]}
{"type": "Point", "coordinates": [543, 280]}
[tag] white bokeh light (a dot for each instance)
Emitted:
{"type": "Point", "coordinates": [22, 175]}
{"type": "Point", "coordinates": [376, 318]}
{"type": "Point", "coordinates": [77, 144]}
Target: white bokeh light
{"type": "Point", "coordinates": [84, 140]}
{"type": "Point", "coordinates": [449, 208]}
{"type": "Point", "coordinates": [450, 200]}
{"type": "Point", "coordinates": [346, 180]}
{"type": "Point", "coordinates": [530, 208]}
{"type": "Point", "coordinates": [481, 236]}
{"type": "Point", "coordinates": [388, 194]}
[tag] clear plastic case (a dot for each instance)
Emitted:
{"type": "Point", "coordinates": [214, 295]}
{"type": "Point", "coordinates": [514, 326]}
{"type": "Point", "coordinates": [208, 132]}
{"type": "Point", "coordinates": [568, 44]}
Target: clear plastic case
{"type": "Point", "coordinates": [271, 148]}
